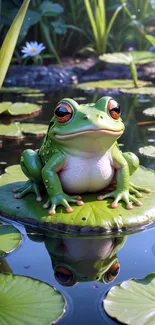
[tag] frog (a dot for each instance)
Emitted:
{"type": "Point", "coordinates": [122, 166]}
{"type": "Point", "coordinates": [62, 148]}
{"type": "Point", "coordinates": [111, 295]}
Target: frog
{"type": "Point", "coordinates": [80, 154]}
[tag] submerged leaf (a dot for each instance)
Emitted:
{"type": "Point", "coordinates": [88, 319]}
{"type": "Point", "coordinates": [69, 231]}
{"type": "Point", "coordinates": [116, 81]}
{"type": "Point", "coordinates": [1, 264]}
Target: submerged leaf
{"type": "Point", "coordinates": [148, 151]}
{"type": "Point", "coordinates": [25, 301]}
{"type": "Point", "coordinates": [15, 109]}
{"type": "Point", "coordinates": [132, 302]}
{"type": "Point", "coordinates": [17, 130]}
{"type": "Point", "coordinates": [93, 216]}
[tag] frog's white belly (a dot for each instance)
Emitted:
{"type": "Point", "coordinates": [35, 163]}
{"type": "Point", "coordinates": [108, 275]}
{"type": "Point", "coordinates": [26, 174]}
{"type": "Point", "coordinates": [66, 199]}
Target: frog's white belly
{"type": "Point", "coordinates": [82, 174]}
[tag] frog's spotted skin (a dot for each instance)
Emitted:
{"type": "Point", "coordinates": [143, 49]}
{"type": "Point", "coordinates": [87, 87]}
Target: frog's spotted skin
{"type": "Point", "coordinates": [80, 154]}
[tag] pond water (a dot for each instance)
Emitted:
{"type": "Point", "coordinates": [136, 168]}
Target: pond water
{"type": "Point", "coordinates": [39, 254]}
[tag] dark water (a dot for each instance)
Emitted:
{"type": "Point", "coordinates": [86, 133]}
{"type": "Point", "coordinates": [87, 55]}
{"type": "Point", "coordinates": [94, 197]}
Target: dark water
{"type": "Point", "coordinates": [135, 254]}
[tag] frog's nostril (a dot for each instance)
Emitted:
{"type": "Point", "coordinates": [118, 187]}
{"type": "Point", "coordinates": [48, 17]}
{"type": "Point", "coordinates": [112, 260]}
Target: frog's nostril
{"type": "Point", "coordinates": [101, 116]}
{"type": "Point", "coordinates": [86, 117]}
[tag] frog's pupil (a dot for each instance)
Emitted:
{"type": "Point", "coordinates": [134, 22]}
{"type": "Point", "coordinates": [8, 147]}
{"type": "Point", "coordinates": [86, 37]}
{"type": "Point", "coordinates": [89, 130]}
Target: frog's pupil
{"type": "Point", "coordinates": [115, 272]}
{"type": "Point", "coordinates": [62, 277]}
{"type": "Point", "coordinates": [116, 109]}
{"type": "Point", "coordinates": [62, 111]}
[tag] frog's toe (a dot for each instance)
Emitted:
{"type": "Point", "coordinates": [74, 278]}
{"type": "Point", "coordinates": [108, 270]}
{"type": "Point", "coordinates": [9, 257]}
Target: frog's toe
{"type": "Point", "coordinates": [134, 200]}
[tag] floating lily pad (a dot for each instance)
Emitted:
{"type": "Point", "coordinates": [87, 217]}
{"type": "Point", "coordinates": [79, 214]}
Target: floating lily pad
{"type": "Point", "coordinates": [146, 90]}
{"type": "Point", "coordinates": [93, 217]}
{"type": "Point", "coordinates": [148, 151]}
{"type": "Point", "coordinates": [10, 239]}
{"type": "Point", "coordinates": [19, 90]}
{"type": "Point", "coordinates": [138, 57]}
{"type": "Point", "coordinates": [15, 109]}
{"type": "Point", "coordinates": [18, 130]}
{"type": "Point", "coordinates": [132, 301]}
{"type": "Point", "coordinates": [151, 129]}
{"type": "Point", "coordinates": [149, 111]}
{"type": "Point", "coordinates": [25, 301]}
{"type": "Point", "coordinates": [110, 84]}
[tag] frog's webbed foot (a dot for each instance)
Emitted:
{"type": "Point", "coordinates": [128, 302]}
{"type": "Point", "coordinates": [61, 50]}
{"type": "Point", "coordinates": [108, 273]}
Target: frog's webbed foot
{"type": "Point", "coordinates": [29, 187]}
{"type": "Point", "coordinates": [62, 199]}
{"type": "Point", "coordinates": [134, 189]}
{"type": "Point", "coordinates": [120, 195]}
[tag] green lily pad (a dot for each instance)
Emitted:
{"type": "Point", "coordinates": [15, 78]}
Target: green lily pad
{"type": "Point", "coordinates": [10, 239]}
{"type": "Point", "coordinates": [138, 57]}
{"type": "Point", "coordinates": [110, 84]}
{"type": "Point", "coordinates": [146, 90]}
{"type": "Point", "coordinates": [94, 216]}
{"type": "Point", "coordinates": [151, 129]}
{"type": "Point", "coordinates": [148, 151]}
{"type": "Point", "coordinates": [149, 111]}
{"type": "Point", "coordinates": [19, 90]}
{"type": "Point", "coordinates": [15, 109]}
{"type": "Point", "coordinates": [25, 301]}
{"type": "Point", "coordinates": [132, 301]}
{"type": "Point", "coordinates": [18, 130]}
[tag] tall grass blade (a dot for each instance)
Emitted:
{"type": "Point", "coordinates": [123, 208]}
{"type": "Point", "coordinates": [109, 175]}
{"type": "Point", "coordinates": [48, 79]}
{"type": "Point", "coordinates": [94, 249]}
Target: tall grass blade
{"type": "Point", "coordinates": [10, 41]}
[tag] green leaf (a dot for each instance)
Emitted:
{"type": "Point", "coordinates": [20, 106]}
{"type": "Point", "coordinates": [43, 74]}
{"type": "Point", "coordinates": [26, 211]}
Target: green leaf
{"type": "Point", "coordinates": [16, 109]}
{"type": "Point", "coordinates": [93, 216]}
{"type": "Point", "coordinates": [132, 302]}
{"type": "Point", "coordinates": [110, 84]}
{"type": "Point", "coordinates": [59, 26]}
{"type": "Point", "coordinates": [31, 18]}
{"type": "Point", "coordinates": [10, 41]}
{"type": "Point", "coordinates": [147, 151]}
{"type": "Point", "coordinates": [140, 90]}
{"type": "Point", "coordinates": [149, 111]}
{"type": "Point", "coordinates": [151, 129]}
{"type": "Point", "coordinates": [26, 301]}
{"type": "Point", "coordinates": [20, 90]}
{"type": "Point", "coordinates": [10, 238]}
{"type": "Point", "coordinates": [18, 130]}
{"type": "Point", "coordinates": [138, 57]}
{"type": "Point", "coordinates": [150, 38]}
{"type": "Point", "coordinates": [50, 9]}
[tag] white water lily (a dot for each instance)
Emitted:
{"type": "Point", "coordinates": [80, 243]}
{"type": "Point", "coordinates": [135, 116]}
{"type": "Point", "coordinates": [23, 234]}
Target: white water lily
{"type": "Point", "coordinates": [32, 49]}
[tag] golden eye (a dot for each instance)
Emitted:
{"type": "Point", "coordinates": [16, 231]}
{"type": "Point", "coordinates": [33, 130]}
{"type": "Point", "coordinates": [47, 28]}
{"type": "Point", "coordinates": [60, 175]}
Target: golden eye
{"type": "Point", "coordinates": [112, 272]}
{"type": "Point", "coordinates": [114, 109]}
{"type": "Point", "coordinates": [63, 112]}
{"type": "Point", "coordinates": [64, 276]}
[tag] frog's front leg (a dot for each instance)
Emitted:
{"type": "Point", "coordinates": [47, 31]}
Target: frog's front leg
{"type": "Point", "coordinates": [31, 166]}
{"type": "Point", "coordinates": [122, 182]}
{"type": "Point", "coordinates": [133, 164]}
{"type": "Point", "coordinates": [53, 185]}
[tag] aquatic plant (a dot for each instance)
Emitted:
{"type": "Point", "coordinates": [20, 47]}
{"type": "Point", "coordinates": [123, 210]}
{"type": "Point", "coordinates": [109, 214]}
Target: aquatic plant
{"type": "Point", "coordinates": [33, 49]}
{"type": "Point", "coordinates": [97, 18]}
{"type": "Point", "coordinates": [10, 41]}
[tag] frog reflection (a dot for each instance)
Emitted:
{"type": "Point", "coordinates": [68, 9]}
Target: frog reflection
{"type": "Point", "coordinates": [78, 260]}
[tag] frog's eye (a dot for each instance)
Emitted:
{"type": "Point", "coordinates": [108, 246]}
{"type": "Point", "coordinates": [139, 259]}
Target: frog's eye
{"type": "Point", "coordinates": [64, 276]}
{"type": "Point", "coordinates": [112, 272]}
{"type": "Point", "coordinates": [63, 112]}
{"type": "Point", "coordinates": [114, 109]}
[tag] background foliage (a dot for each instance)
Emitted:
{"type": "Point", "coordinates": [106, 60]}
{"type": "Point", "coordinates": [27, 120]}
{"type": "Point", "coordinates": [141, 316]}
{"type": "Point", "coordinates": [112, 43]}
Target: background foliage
{"type": "Point", "coordinates": [64, 27]}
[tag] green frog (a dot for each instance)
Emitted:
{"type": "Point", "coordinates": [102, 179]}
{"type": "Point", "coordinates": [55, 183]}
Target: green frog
{"type": "Point", "coordinates": [80, 154]}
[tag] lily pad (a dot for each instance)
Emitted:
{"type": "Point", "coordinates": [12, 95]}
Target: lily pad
{"type": "Point", "coordinates": [19, 90]}
{"type": "Point", "coordinates": [138, 57]}
{"type": "Point", "coordinates": [10, 239]}
{"type": "Point", "coordinates": [15, 109]}
{"type": "Point", "coordinates": [93, 217]}
{"type": "Point", "coordinates": [149, 111]}
{"type": "Point", "coordinates": [25, 301]}
{"type": "Point", "coordinates": [110, 84]}
{"type": "Point", "coordinates": [148, 151]}
{"type": "Point", "coordinates": [142, 90]}
{"type": "Point", "coordinates": [132, 301]}
{"type": "Point", "coordinates": [18, 130]}
{"type": "Point", "coordinates": [151, 129]}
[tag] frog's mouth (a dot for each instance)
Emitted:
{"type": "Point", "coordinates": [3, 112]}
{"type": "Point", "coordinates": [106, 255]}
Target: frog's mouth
{"type": "Point", "coordinates": [93, 132]}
